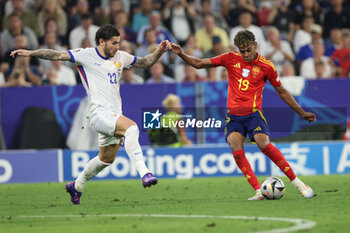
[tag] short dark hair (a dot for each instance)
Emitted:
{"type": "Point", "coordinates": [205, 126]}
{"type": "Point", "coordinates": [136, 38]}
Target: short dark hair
{"type": "Point", "coordinates": [244, 39]}
{"type": "Point", "coordinates": [106, 32]}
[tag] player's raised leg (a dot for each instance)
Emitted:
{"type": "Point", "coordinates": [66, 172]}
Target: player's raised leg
{"type": "Point", "coordinates": [93, 167]}
{"type": "Point", "coordinates": [129, 129]}
{"type": "Point", "coordinates": [236, 140]}
{"type": "Point", "coordinates": [277, 157]}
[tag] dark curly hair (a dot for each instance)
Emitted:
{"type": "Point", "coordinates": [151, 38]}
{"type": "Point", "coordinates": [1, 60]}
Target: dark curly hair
{"type": "Point", "coordinates": [106, 32]}
{"type": "Point", "coordinates": [244, 39]}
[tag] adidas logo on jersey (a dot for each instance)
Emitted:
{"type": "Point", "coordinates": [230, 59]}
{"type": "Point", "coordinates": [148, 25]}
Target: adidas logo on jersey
{"type": "Point", "coordinates": [237, 65]}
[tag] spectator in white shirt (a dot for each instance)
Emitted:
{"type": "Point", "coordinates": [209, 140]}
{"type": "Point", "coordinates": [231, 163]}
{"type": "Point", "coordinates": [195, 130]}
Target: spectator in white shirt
{"type": "Point", "coordinates": [158, 76]}
{"type": "Point", "coordinates": [86, 30]}
{"type": "Point", "coordinates": [302, 36]}
{"type": "Point", "coordinates": [308, 70]}
{"type": "Point", "coordinates": [278, 51]}
{"type": "Point", "coordinates": [59, 74]}
{"type": "Point", "coordinates": [245, 23]}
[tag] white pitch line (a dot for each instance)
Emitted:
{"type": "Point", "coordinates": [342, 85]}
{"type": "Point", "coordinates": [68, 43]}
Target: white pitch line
{"type": "Point", "coordinates": [301, 224]}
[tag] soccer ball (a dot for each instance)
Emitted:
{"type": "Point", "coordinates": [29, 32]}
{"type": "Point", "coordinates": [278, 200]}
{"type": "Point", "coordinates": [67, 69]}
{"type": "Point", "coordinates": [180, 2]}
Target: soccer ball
{"type": "Point", "coordinates": [273, 188]}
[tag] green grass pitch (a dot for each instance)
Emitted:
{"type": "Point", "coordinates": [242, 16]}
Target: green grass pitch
{"type": "Point", "coordinates": [193, 205]}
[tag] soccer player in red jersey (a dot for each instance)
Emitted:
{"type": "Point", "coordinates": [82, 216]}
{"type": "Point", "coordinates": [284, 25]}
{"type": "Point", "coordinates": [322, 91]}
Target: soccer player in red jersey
{"type": "Point", "coordinates": [248, 72]}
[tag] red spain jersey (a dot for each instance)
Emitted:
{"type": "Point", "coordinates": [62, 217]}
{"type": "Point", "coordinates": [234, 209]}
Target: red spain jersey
{"type": "Point", "coordinates": [246, 81]}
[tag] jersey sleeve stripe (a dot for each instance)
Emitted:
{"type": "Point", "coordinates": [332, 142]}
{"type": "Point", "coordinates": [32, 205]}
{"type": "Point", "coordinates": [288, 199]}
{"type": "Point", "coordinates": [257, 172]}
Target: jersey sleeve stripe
{"type": "Point", "coordinates": [71, 56]}
{"type": "Point", "coordinates": [267, 62]}
{"type": "Point", "coordinates": [133, 62]}
{"type": "Point", "coordinates": [83, 74]}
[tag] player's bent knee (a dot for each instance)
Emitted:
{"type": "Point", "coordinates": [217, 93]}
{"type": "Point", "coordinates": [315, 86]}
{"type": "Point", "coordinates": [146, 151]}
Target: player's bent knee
{"type": "Point", "coordinates": [107, 159]}
{"type": "Point", "coordinates": [234, 145]}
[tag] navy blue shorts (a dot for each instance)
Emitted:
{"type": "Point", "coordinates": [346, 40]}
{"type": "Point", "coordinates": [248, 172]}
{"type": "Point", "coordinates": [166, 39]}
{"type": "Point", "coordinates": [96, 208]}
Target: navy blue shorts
{"type": "Point", "coordinates": [250, 124]}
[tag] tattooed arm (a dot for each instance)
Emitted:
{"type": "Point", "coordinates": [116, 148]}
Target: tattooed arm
{"type": "Point", "coordinates": [46, 54]}
{"type": "Point", "coordinates": [150, 59]}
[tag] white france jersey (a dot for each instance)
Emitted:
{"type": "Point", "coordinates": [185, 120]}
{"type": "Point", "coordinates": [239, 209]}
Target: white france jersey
{"type": "Point", "coordinates": [100, 77]}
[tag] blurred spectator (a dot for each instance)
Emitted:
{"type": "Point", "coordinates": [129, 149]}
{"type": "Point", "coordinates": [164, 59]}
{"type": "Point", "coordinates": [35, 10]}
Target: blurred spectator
{"type": "Point", "coordinates": [2, 79]}
{"type": "Point", "coordinates": [59, 74]}
{"type": "Point", "coordinates": [277, 50]}
{"type": "Point", "coordinates": [170, 134]}
{"type": "Point", "coordinates": [105, 5]}
{"type": "Point", "coordinates": [282, 17]}
{"type": "Point", "coordinates": [206, 9]}
{"type": "Point", "coordinates": [95, 8]}
{"type": "Point", "coordinates": [218, 48]}
{"type": "Point", "coordinates": [288, 71]}
{"type": "Point", "coordinates": [334, 42]}
{"type": "Point", "coordinates": [320, 69]}
{"type": "Point", "coordinates": [341, 56]}
{"type": "Point", "coordinates": [157, 74]}
{"type": "Point", "coordinates": [162, 33]}
{"type": "Point", "coordinates": [306, 51]}
{"type": "Point", "coordinates": [145, 49]}
{"type": "Point", "coordinates": [16, 28]}
{"type": "Point", "coordinates": [129, 77]}
{"type": "Point", "coordinates": [121, 21]}
{"type": "Point", "coordinates": [308, 8]}
{"type": "Point", "coordinates": [302, 36]}
{"type": "Point", "coordinates": [126, 46]}
{"type": "Point", "coordinates": [76, 9]}
{"type": "Point", "coordinates": [172, 104]}
{"type": "Point", "coordinates": [263, 13]}
{"type": "Point", "coordinates": [308, 66]}
{"type": "Point", "coordinates": [86, 30]}
{"type": "Point", "coordinates": [241, 6]}
{"type": "Point", "coordinates": [150, 39]}
{"type": "Point", "coordinates": [86, 43]}
{"type": "Point", "coordinates": [192, 45]}
{"type": "Point", "coordinates": [22, 74]}
{"type": "Point", "coordinates": [50, 42]}
{"type": "Point", "coordinates": [191, 74]}
{"type": "Point", "coordinates": [21, 42]}
{"type": "Point", "coordinates": [205, 34]}
{"type": "Point", "coordinates": [141, 18]}
{"type": "Point", "coordinates": [52, 9]}
{"type": "Point", "coordinates": [336, 17]}
{"type": "Point", "coordinates": [27, 17]}
{"type": "Point", "coordinates": [179, 70]}
{"type": "Point", "coordinates": [115, 6]}
{"type": "Point", "coordinates": [52, 26]}
{"type": "Point", "coordinates": [245, 23]}
{"type": "Point", "coordinates": [8, 5]}
{"type": "Point", "coordinates": [179, 16]}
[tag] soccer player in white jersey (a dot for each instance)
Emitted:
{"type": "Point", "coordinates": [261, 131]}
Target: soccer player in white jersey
{"type": "Point", "coordinates": [100, 70]}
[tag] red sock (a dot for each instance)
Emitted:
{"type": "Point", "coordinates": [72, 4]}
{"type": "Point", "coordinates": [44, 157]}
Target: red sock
{"type": "Point", "coordinates": [277, 157]}
{"type": "Point", "coordinates": [247, 171]}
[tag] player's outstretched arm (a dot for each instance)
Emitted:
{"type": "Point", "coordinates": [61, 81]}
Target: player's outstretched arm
{"type": "Point", "coordinates": [150, 59]}
{"type": "Point", "coordinates": [47, 54]}
{"type": "Point", "coordinates": [191, 60]}
{"type": "Point", "coordinates": [289, 99]}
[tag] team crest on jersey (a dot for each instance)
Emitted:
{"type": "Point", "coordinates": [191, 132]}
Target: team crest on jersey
{"type": "Point", "coordinates": [245, 72]}
{"type": "Point", "coordinates": [255, 71]}
{"type": "Point", "coordinates": [117, 64]}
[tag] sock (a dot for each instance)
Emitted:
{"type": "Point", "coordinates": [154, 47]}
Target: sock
{"type": "Point", "coordinates": [91, 169]}
{"type": "Point", "coordinates": [246, 169]}
{"type": "Point", "coordinates": [276, 156]}
{"type": "Point", "coordinates": [134, 151]}
{"type": "Point", "coordinates": [296, 181]}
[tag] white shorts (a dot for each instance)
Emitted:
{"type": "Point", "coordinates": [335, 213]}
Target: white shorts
{"type": "Point", "coordinates": [104, 123]}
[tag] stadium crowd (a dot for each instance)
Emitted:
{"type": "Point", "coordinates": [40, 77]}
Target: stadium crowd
{"type": "Point", "coordinates": [306, 38]}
